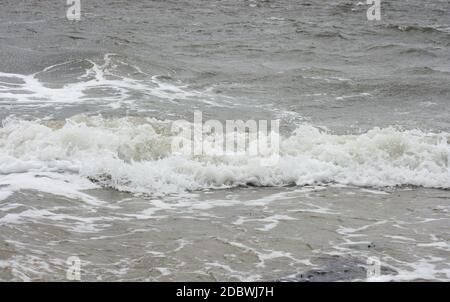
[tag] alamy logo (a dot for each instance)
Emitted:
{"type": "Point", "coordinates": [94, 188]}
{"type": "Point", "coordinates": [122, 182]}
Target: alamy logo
{"type": "Point", "coordinates": [374, 11]}
{"type": "Point", "coordinates": [373, 267]}
{"type": "Point", "coordinates": [74, 271]}
{"type": "Point", "coordinates": [235, 138]}
{"type": "Point", "coordinates": [74, 11]}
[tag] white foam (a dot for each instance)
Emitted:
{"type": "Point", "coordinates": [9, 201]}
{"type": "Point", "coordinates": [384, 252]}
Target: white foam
{"type": "Point", "coordinates": [69, 186]}
{"type": "Point", "coordinates": [439, 245]}
{"type": "Point", "coordinates": [269, 222]}
{"type": "Point", "coordinates": [5, 194]}
{"type": "Point", "coordinates": [32, 90]}
{"type": "Point", "coordinates": [126, 154]}
{"type": "Point", "coordinates": [424, 269]}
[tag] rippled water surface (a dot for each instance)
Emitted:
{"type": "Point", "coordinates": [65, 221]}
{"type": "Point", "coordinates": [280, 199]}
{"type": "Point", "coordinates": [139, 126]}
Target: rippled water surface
{"type": "Point", "coordinates": [87, 169]}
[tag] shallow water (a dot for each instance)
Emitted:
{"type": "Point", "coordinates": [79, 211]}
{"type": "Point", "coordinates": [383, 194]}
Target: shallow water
{"type": "Point", "coordinates": [309, 233]}
{"type": "Point", "coordinates": [87, 169]}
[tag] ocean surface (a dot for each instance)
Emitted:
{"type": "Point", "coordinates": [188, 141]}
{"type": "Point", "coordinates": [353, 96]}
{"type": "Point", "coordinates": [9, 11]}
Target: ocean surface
{"type": "Point", "coordinates": [87, 169]}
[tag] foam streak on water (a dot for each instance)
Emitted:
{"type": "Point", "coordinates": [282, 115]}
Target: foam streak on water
{"type": "Point", "coordinates": [110, 83]}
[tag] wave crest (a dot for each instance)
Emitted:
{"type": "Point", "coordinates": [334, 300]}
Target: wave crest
{"type": "Point", "coordinates": [134, 154]}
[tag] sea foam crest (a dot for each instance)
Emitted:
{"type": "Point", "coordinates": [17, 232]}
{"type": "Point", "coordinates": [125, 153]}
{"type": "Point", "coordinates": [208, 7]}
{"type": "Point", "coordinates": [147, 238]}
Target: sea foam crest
{"type": "Point", "coordinates": [134, 154]}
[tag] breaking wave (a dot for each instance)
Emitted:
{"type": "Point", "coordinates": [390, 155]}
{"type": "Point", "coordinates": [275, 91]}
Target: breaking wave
{"type": "Point", "coordinates": [133, 154]}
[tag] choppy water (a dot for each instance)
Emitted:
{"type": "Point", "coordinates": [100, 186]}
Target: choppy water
{"type": "Point", "coordinates": [87, 169]}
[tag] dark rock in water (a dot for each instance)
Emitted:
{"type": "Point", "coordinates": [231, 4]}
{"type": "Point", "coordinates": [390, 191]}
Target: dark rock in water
{"type": "Point", "coordinates": [335, 269]}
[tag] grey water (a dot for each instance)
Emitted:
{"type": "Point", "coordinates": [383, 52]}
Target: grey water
{"type": "Point", "coordinates": [79, 176]}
